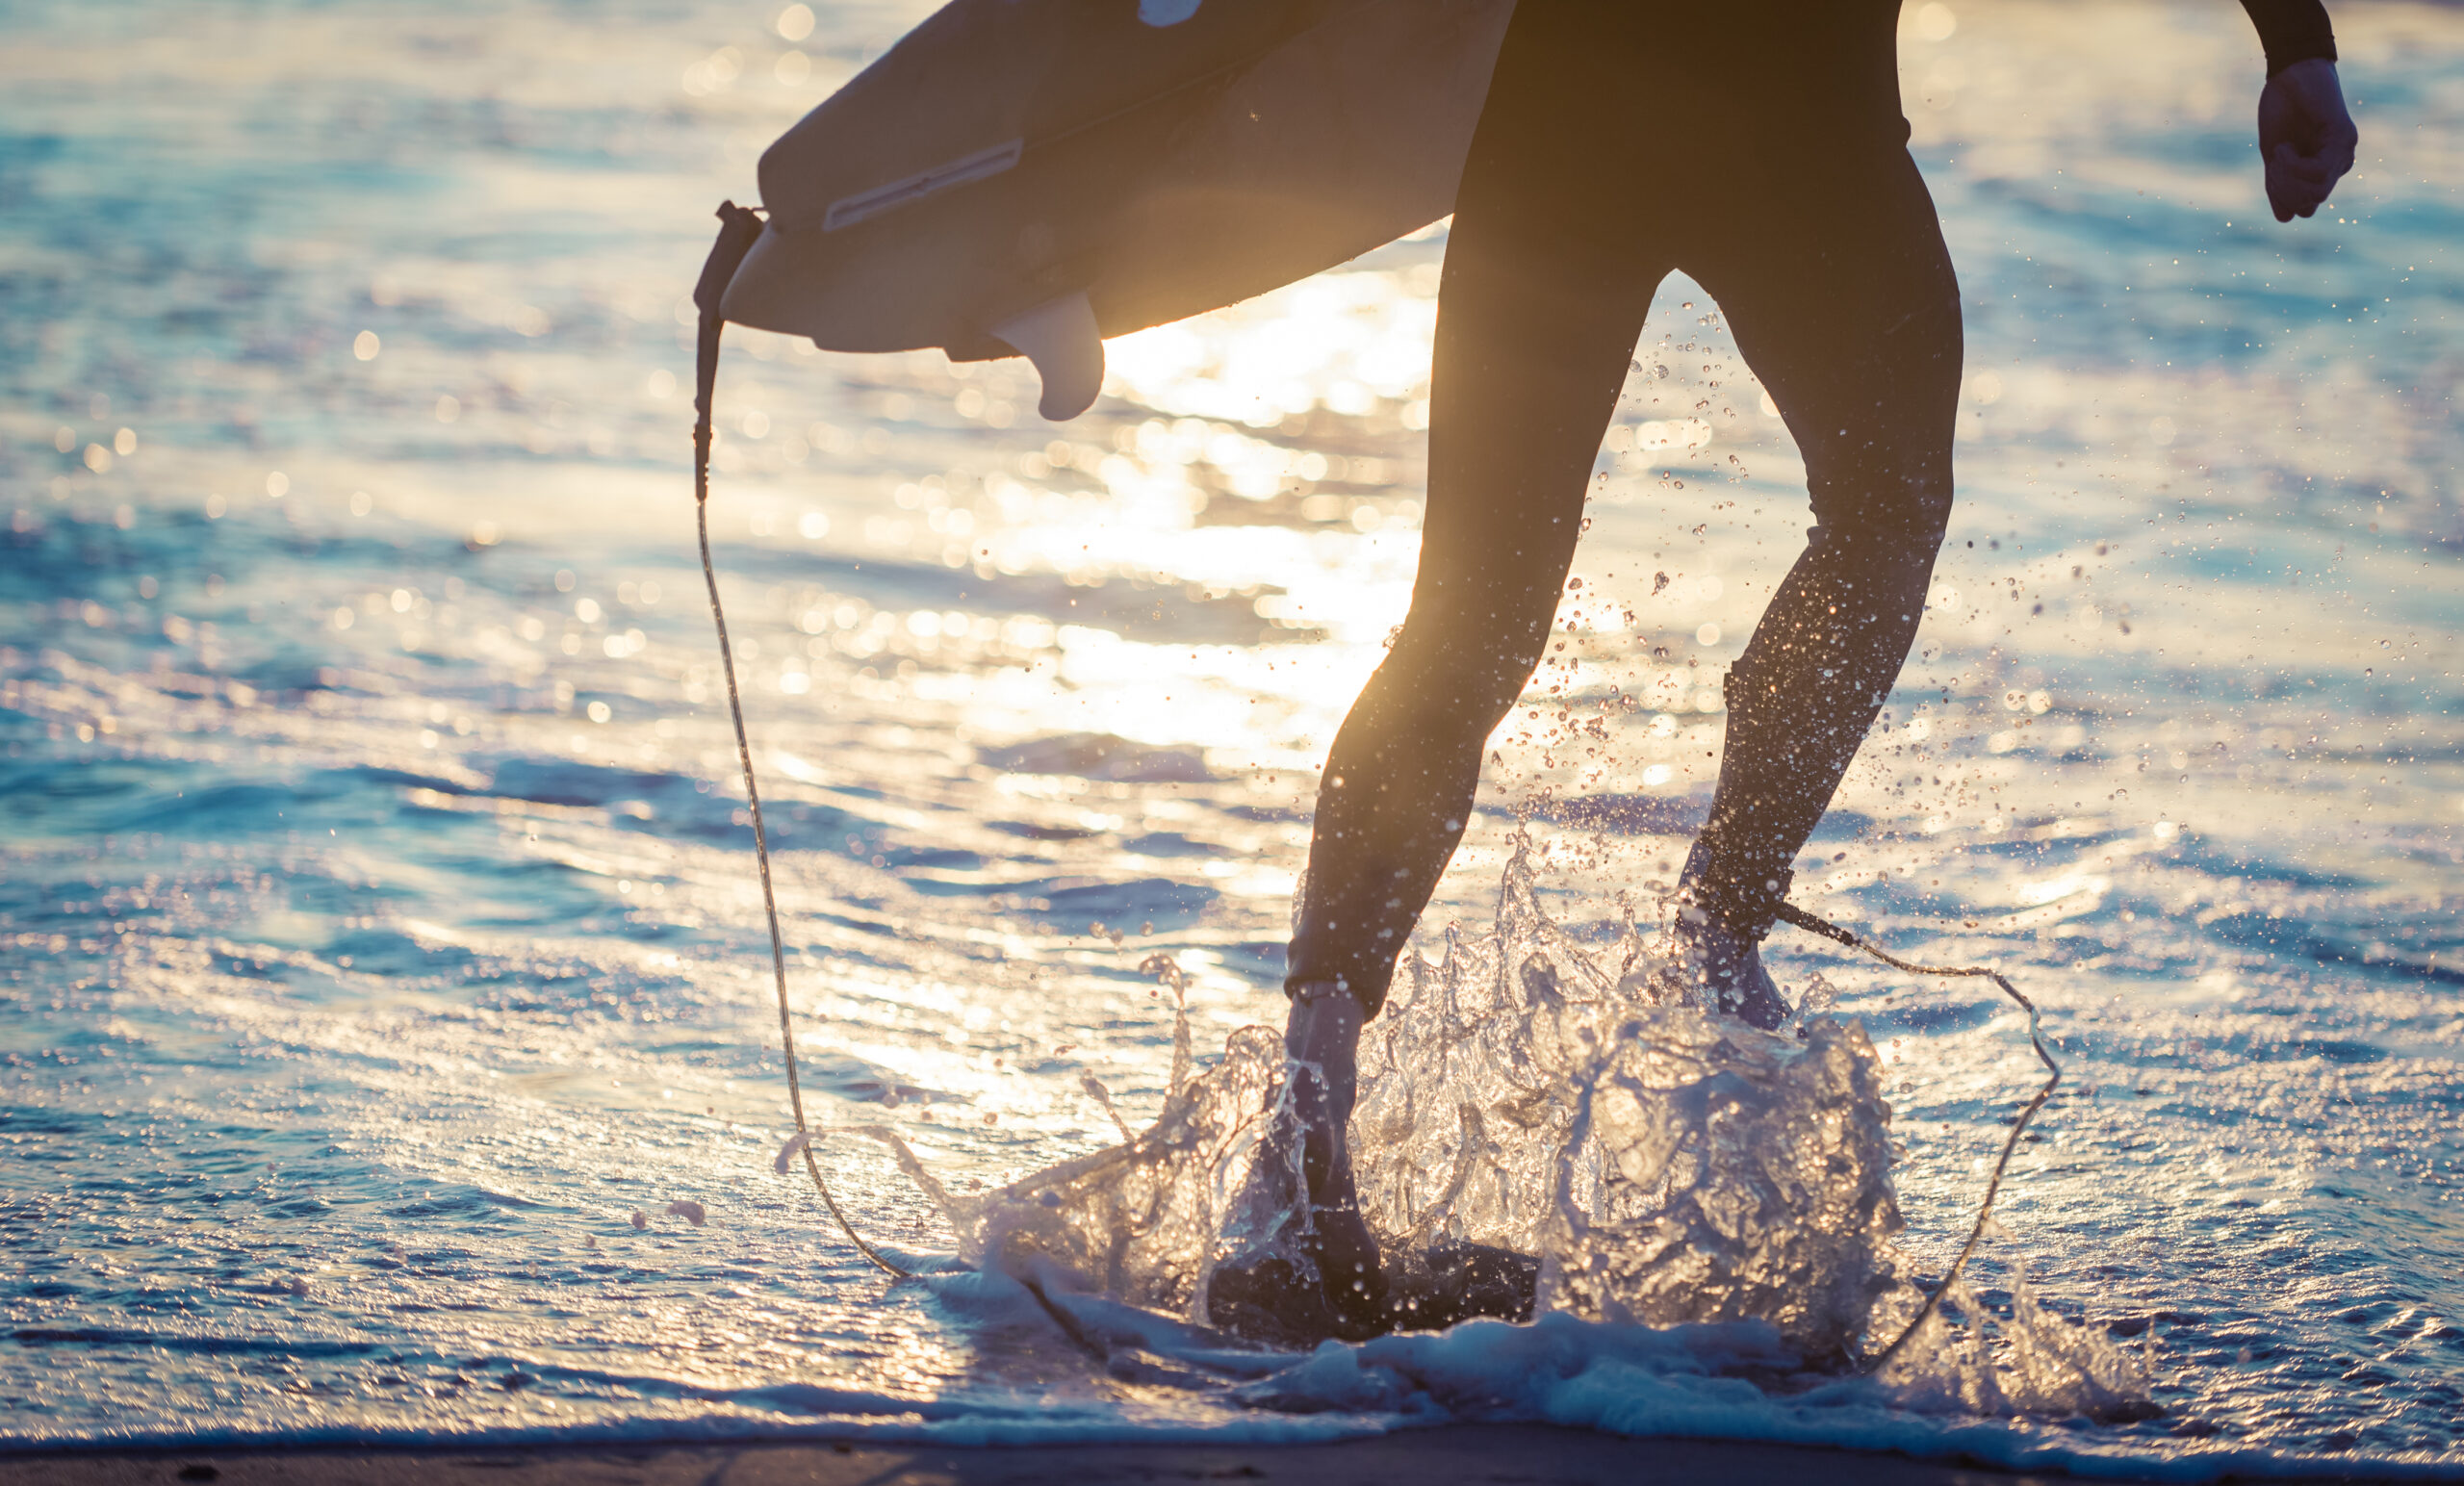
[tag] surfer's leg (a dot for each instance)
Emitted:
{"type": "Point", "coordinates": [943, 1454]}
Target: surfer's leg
{"type": "Point", "coordinates": [1513, 433]}
{"type": "Point", "coordinates": [1844, 304]}
{"type": "Point", "coordinates": [1543, 292]}
{"type": "Point", "coordinates": [1528, 369]}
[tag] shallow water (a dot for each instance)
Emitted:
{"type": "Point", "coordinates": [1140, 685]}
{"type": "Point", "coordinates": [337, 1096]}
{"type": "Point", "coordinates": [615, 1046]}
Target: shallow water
{"type": "Point", "coordinates": [382, 935]}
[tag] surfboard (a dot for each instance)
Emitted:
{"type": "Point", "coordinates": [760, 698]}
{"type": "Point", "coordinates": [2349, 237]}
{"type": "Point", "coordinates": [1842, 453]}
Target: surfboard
{"type": "Point", "coordinates": [1029, 176]}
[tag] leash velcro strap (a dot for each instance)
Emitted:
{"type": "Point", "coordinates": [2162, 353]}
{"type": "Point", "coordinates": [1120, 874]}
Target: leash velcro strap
{"type": "Point", "coordinates": [1743, 902]}
{"type": "Point", "coordinates": [738, 227]}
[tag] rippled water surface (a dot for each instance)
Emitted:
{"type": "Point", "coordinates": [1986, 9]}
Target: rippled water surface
{"type": "Point", "coordinates": [382, 950]}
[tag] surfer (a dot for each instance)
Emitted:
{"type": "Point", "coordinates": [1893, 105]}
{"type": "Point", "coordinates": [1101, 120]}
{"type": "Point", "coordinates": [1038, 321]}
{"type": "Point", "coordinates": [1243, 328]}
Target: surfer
{"type": "Point", "coordinates": [1759, 149]}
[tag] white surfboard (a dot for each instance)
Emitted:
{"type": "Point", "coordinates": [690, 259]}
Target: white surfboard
{"type": "Point", "coordinates": [1028, 176]}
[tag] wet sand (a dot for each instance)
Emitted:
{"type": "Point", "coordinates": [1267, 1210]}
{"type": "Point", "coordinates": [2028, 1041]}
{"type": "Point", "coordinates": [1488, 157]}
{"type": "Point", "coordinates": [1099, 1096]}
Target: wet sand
{"type": "Point", "coordinates": [1526, 1456]}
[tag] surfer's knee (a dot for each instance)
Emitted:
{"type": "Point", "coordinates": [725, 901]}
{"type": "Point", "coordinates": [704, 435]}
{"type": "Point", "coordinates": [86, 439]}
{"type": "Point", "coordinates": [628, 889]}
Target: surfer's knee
{"type": "Point", "coordinates": [1894, 501]}
{"type": "Point", "coordinates": [1463, 663]}
{"type": "Point", "coordinates": [1917, 513]}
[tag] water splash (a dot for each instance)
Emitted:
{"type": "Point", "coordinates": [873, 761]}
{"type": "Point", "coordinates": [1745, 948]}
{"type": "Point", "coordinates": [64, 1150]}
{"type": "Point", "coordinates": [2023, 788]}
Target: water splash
{"type": "Point", "coordinates": [1668, 1165]}
{"type": "Point", "coordinates": [2029, 1362]}
{"type": "Point", "coordinates": [1142, 1221]}
{"type": "Point", "coordinates": [1715, 1173]}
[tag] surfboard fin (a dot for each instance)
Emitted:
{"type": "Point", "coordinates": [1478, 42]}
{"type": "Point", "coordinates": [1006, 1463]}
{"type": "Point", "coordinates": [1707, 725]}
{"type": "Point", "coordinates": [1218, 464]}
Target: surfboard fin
{"type": "Point", "coordinates": [1060, 337]}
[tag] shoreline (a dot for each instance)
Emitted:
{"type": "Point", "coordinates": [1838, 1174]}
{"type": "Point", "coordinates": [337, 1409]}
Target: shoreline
{"type": "Point", "coordinates": [1520, 1454]}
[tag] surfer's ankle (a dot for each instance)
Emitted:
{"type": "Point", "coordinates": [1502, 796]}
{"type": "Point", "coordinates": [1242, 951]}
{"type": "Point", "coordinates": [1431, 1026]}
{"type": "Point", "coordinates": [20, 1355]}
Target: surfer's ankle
{"type": "Point", "coordinates": [1322, 1038]}
{"type": "Point", "coordinates": [1321, 1050]}
{"type": "Point", "coordinates": [1714, 951]}
{"type": "Point", "coordinates": [1741, 897]}
{"type": "Point", "coordinates": [1322, 1054]}
{"type": "Point", "coordinates": [1321, 1069]}
{"type": "Point", "coordinates": [1724, 970]}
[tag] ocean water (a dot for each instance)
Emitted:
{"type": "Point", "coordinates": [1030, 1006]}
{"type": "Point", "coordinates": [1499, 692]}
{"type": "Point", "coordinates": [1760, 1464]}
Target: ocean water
{"type": "Point", "coordinates": [383, 956]}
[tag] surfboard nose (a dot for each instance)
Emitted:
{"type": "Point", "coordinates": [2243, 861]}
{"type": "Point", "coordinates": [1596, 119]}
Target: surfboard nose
{"type": "Point", "coordinates": [1060, 337]}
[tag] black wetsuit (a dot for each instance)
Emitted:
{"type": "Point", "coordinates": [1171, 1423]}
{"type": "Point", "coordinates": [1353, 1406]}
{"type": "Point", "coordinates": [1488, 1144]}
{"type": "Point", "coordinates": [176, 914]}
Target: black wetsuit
{"type": "Point", "coordinates": [1758, 146]}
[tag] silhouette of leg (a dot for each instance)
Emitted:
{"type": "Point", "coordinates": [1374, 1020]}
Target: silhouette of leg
{"type": "Point", "coordinates": [1841, 296]}
{"type": "Point", "coordinates": [1543, 292]}
{"type": "Point", "coordinates": [1542, 297]}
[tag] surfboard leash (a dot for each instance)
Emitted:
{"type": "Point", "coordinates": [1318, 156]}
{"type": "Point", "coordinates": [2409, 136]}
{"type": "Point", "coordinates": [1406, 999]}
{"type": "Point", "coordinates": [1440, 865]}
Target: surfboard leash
{"type": "Point", "coordinates": [738, 227]}
{"type": "Point", "coordinates": [1789, 912]}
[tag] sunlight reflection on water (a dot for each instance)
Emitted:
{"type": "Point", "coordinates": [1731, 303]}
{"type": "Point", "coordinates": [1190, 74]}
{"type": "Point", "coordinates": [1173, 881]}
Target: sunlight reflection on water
{"type": "Point", "coordinates": [382, 935]}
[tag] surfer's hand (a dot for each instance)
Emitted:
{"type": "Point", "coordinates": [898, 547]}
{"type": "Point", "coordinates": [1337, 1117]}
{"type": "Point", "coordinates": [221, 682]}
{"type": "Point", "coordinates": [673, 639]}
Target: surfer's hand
{"type": "Point", "coordinates": [2305, 137]}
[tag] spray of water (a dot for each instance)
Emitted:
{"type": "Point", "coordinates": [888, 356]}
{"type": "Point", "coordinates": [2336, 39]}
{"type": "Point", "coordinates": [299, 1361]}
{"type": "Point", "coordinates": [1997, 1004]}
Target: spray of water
{"type": "Point", "coordinates": [1665, 1163]}
{"type": "Point", "coordinates": [1142, 1221]}
{"type": "Point", "coordinates": [1668, 1164]}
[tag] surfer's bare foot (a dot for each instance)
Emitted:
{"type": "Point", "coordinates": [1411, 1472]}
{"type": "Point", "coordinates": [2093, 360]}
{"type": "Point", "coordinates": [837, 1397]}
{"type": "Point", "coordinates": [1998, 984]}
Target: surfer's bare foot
{"type": "Point", "coordinates": [1723, 968]}
{"type": "Point", "coordinates": [1320, 1275]}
